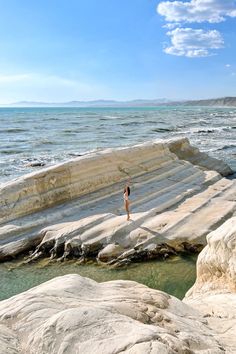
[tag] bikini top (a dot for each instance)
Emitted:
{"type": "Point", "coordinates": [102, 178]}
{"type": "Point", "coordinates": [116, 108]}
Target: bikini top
{"type": "Point", "coordinates": [127, 189]}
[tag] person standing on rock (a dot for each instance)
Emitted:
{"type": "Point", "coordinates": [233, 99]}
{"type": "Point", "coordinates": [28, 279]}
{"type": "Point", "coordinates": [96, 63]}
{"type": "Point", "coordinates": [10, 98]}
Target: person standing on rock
{"type": "Point", "coordinates": [126, 199]}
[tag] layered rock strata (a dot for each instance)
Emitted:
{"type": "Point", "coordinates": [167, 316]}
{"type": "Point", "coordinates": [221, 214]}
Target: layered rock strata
{"type": "Point", "coordinates": [75, 209]}
{"type": "Point", "coordinates": [72, 314]}
{"type": "Point", "coordinates": [214, 293]}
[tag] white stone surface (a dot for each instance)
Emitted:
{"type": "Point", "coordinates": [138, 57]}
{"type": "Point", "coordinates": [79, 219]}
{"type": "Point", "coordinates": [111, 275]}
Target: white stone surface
{"type": "Point", "coordinates": [79, 204]}
{"type": "Point", "coordinates": [214, 292]}
{"type": "Point", "coordinates": [71, 314]}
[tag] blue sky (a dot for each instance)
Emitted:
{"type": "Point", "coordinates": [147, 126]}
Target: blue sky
{"type": "Point", "coordinates": [62, 50]}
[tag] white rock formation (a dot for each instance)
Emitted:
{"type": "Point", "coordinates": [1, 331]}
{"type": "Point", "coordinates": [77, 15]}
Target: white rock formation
{"type": "Point", "coordinates": [71, 314]}
{"type": "Point", "coordinates": [76, 208]}
{"type": "Point", "coordinates": [185, 151]}
{"type": "Point", "coordinates": [214, 293]}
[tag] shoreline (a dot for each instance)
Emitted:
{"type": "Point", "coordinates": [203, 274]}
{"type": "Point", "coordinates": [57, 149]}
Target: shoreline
{"type": "Point", "coordinates": [174, 275]}
{"type": "Point", "coordinates": [179, 201]}
{"type": "Point", "coordinates": [125, 316]}
{"type": "Point", "coordinates": [74, 209]}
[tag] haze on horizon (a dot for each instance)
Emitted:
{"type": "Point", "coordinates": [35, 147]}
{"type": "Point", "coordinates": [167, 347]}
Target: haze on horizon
{"type": "Point", "coordinates": [61, 51]}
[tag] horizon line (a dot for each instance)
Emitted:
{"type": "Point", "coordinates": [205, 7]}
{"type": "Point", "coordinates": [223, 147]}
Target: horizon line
{"type": "Point", "coordinates": [112, 101]}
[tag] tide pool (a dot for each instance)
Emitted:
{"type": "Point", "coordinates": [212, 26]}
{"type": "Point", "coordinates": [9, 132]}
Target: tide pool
{"type": "Point", "coordinates": [174, 276]}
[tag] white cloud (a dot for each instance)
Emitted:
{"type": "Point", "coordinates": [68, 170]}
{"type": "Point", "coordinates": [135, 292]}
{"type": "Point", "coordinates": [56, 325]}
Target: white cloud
{"type": "Point", "coordinates": [228, 65]}
{"type": "Point", "coordinates": [212, 11]}
{"type": "Point", "coordinates": [193, 42]}
{"type": "Point", "coordinates": [171, 25]}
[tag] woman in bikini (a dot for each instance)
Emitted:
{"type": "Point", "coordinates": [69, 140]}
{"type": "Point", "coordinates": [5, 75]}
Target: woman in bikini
{"type": "Point", "coordinates": [126, 199]}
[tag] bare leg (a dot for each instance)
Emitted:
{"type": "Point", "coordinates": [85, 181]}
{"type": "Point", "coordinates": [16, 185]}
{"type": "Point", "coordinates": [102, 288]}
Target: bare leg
{"type": "Point", "coordinates": [127, 209]}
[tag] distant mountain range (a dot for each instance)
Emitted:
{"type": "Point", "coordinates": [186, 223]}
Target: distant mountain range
{"type": "Point", "coordinates": [216, 102]}
{"type": "Point", "coordinates": [96, 103]}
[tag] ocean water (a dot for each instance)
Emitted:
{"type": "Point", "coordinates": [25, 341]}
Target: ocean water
{"type": "Point", "coordinates": [46, 136]}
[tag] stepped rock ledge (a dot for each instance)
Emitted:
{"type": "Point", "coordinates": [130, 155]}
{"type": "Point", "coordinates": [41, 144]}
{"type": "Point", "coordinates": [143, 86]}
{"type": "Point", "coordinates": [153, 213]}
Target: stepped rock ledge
{"type": "Point", "coordinates": [72, 314]}
{"type": "Point", "coordinates": [180, 202]}
{"type": "Point", "coordinates": [75, 209]}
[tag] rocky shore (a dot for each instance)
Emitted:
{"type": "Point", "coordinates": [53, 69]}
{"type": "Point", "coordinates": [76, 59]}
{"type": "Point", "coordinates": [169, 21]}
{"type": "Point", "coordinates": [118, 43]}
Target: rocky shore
{"type": "Point", "coordinates": [75, 209]}
{"type": "Point", "coordinates": [71, 314]}
{"type": "Point", "coordinates": [181, 202]}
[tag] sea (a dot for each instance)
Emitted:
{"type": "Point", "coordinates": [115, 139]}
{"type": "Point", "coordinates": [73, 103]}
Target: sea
{"type": "Point", "coordinates": [32, 138]}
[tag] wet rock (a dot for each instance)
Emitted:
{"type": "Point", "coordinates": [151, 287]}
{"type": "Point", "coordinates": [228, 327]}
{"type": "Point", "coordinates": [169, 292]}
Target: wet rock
{"type": "Point", "coordinates": [91, 250]}
{"type": "Point", "coordinates": [110, 252]}
{"type": "Point", "coordinates": [35, 164]}
{"type": "Point", "coordinates": [192, 248]}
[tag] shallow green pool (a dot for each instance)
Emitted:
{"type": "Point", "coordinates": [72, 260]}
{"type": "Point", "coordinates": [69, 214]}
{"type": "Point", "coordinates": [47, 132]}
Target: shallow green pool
{"type": "Point", "coordinates": [174, 276]}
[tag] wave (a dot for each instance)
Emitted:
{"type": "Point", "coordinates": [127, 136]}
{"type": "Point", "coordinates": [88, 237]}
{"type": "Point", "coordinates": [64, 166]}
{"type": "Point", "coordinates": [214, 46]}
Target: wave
{"type": "Point", "coordinates": [51, 118]}
{"type": "Point", "coordinates": [71, 131]}
{"type": "Point", "coordinates": [110, 117]}
{"type": "Point", "coordinates": [227, 147]}
{"type": "Point", "coordinates": [205, 130]}
{"type": "Point", "coordinates": [126, 124]}
{"type": "Point", "coordinates": [13, 130]}
{"type": "Point", "coordinates": [162, 130]}
{"type": "Point", "coordinates": [10, 152]}
{"type": "Point", "coordinates": [44, 142]}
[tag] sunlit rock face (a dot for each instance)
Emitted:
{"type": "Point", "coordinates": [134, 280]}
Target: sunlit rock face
{"type": "Point", "coordinates": [175, 207]}
{"type": "Point", "coordinates": [75, 209]}
{"type": "Point", "coordinates": [214, 293]}
{"type": "Point", "coordinates": [71, 314]}
{"type": "Point", "coordinates": [185, 151]}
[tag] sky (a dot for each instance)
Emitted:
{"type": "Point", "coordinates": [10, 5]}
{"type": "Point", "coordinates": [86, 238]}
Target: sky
{"type": "Point", "coordinates": [65, 50]}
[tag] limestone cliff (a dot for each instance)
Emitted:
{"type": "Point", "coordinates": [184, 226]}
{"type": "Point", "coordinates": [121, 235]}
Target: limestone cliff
{"type": "Point", "coordinates": [214, 293]}
{"type": "Point", "coordinates": [75, 209]}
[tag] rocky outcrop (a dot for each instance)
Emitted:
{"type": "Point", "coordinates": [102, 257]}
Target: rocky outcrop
{"type": "Point", "coordinates": [187, 152]}
{"type": "Point", "coordinates": [216, 265]}
{"type": "Point", "coordinates": [214, 293]}
{"type": "Point", "coordinates": [76, 209]}
{"type": "Point", "coordinates": [71, 314]}
{"type": "Point", "coordinates": [215, 102]}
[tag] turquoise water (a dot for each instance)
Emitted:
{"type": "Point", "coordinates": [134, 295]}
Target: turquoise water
{"type": "Point", "coordinates": [50, 135]}
{"type": "Point", "coordinates": [175, 275]}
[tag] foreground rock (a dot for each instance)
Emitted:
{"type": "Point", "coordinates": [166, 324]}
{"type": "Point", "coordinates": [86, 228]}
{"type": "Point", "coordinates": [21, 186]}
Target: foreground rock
{"type": "Point", "coordinates": [214, 292]}
{"type": "Point", "coordinates": [71, 314]}
{"type": "Point", "coordinates": [75, 209]}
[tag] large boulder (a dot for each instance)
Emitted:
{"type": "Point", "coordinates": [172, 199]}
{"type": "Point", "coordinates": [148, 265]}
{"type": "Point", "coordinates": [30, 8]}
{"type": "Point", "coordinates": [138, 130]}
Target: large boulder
{"type": "Point", "coordinates": [71, 314]}
{"type": "Point", "coordinates": [214, 292]}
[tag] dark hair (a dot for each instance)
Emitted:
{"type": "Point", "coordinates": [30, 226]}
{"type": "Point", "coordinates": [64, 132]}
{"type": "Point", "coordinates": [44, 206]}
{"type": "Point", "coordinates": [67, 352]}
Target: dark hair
{"type": "Point", "coordinates": [127, 189]}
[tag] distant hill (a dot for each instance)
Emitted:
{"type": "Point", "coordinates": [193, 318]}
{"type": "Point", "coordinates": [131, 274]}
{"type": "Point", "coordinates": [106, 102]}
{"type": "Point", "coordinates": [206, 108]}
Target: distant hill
{"type": "Point", "coordinates": [216, 102]}
{"type": "Point", "coordinates": [95, 103]}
